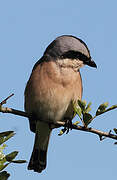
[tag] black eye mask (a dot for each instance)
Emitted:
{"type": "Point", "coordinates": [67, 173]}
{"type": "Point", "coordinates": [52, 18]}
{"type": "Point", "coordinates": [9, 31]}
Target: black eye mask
{"type": "Point", "coordinates": [75, 55]}
{"type": "Point", "coordinates": [78, 55]}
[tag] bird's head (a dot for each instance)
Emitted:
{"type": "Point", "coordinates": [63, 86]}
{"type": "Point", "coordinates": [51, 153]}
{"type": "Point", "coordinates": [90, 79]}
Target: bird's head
{"type": "Point", "coordinates": [70, 50]}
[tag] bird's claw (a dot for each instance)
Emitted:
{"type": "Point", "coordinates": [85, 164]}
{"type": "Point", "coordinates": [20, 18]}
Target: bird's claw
{"type": "Point", "coordinates": [68, 126]}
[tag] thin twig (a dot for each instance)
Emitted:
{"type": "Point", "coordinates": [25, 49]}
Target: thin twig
{"type": "Point", "coordinates": [59, 124]}
{"type": "Point", "coordinates": [5, 100]}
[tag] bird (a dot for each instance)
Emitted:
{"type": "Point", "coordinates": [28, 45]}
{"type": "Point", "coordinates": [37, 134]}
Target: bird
{"type": "Point", "coordinates": [55, 82]}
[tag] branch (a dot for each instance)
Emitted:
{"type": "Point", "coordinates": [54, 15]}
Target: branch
{"type": "Point", "coordinates": [13, 111]}
{"type": "Point", "coordinates": [10, 110]}
{"type": "Point", "coordinates": [59, 124]}
{"type": "Point", "coordinates": [5, 100]}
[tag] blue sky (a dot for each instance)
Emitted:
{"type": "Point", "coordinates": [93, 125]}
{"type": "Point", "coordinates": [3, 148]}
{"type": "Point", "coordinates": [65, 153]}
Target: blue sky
{"type": "Point", "coordinates": [26, 28]}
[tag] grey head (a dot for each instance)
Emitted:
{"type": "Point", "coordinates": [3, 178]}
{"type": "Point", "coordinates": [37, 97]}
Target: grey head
{"type": "Point", "coordinates": [68, 46]}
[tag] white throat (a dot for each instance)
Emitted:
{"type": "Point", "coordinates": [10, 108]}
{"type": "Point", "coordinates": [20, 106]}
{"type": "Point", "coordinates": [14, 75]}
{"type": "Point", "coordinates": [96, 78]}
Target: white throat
{"type": "Point", "coordinates": [75, 64]}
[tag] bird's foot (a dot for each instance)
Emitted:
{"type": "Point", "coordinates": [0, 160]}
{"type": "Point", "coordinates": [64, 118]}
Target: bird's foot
{"type": "Point", "coordinates": [68, 126]}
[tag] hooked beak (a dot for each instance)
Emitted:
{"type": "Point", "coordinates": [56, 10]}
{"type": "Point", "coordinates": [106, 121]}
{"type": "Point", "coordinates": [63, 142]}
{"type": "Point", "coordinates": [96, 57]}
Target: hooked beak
{"type": "Point", "coordinates": [91, 63]}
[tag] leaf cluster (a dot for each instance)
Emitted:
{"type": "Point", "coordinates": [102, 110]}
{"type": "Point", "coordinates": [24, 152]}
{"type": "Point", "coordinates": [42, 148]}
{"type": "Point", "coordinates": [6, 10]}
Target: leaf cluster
{"type": "Point", "coordinates": [82, 109]}
{"type": "Point", "coordinates": [5, 160]}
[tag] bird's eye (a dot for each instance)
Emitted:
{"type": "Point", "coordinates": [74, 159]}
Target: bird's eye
{"type": "Point", "coordinates": [70, 55]}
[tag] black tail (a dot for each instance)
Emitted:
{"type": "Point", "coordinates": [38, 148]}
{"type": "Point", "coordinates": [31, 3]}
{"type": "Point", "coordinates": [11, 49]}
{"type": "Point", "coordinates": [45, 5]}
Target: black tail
{"type": "Point", "coordinates": [38, 158]}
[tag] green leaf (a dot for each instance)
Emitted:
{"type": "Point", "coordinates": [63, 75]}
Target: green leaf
{"type": "Point", "coordinates": [101, 109]}
{"type": "Point", "coordinates": [2, 156]}
{"type": "Point", "coordinates": [4, 175]}
{"type": "Point", "coordinates": [79, 112]}
{"type": "Point", "coordinates": [19, 161]}
{"type": "Point", "coordinates": [88, 108]}
{"type": "Point", "coordinates": [76, 123]}
{"type": "Point", "coordinates": [74, 114]}
{"type": "Point", "coordinates": [2, 147]}
{"type": "Point", "coordinates": [2, 161]}
{"type": "Point", "coordinates": [8, 135]}
{"type": "Point", "coordinates": [82, 104]}
{"type": "Point", "coordinates": [111, 108]}
{"type": "Point", "coordinates": [62, 131]}
{"type": "Point", "coordinates": [1, 140]}
{"type": "Point", "coordinates": [11, 156]}
{"type": "Point", "coordinates": [87, 118]}
{"type": "Point", "coordinates": [115, 130]}
{"type": "Point", "coordinates": [77, 109]}
{"type": "Point", "coordinates": [2, 166]}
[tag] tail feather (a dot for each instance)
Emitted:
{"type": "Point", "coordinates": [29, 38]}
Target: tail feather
{"type": "Point", "coordinates": [38, 158]}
